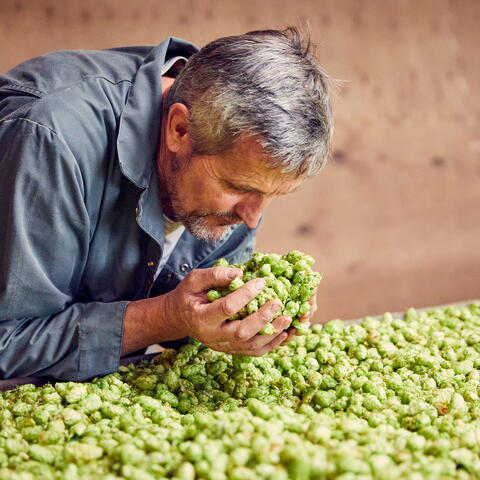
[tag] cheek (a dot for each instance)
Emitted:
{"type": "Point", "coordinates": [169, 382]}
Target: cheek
{"type": "Point", "coordinates": [224, 202]}
{"type": "Point", "coordinates": [202, 199]}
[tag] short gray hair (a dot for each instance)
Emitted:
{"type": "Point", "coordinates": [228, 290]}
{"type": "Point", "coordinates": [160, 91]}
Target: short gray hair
{"type": "Point", "coordinates": [265, 83]}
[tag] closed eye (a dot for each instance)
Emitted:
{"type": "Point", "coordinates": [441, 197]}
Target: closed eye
{"type": "Point", "coordinates": [242, 188]}
{"type": "Point", "coordinates": [248, 189]}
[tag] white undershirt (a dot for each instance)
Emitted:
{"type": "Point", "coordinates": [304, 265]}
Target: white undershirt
{"type": "Point", "coordinates": [173, 232]}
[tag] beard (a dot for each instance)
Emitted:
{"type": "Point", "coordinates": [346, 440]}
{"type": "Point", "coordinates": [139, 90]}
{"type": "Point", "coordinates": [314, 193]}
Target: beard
{"type": "Point", "coordinates": [195, 221]}
{"type": "Point", "coordinates": [197, 224]}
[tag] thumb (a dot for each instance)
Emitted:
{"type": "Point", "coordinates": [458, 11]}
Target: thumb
{"type": "Point", "coordinates": [207, 278]}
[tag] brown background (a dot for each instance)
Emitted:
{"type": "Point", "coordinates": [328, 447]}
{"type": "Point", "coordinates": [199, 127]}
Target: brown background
{"type": "Point", "coordinates": [394, 219]}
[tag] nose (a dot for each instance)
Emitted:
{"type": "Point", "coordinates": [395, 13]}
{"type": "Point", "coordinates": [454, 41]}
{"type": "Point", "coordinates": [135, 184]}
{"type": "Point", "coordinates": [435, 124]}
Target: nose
{"type": "Point", "coordinates": [250, 209]}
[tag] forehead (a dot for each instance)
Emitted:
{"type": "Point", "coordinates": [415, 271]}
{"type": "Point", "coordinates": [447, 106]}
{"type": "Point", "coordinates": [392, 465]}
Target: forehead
{"type": "Point", "coordinates": [247, 164]}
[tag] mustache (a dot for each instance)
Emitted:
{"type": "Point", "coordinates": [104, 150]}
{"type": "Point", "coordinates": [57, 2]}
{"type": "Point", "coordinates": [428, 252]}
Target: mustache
{"type": "Point", "coordinates": [224, 215]}
{"type": "Point", "coordinates": [227, 216]}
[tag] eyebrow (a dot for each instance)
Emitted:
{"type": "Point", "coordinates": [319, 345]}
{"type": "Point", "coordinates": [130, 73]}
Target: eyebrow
{"type": "Point", "coordinates": [249, 189]}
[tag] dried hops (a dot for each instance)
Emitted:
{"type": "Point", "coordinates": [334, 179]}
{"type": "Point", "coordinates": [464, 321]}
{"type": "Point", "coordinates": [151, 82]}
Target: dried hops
{"type": "Point", "coordinates": [289, 278]}
{"type": "Point", "coordinates": [395, 398]}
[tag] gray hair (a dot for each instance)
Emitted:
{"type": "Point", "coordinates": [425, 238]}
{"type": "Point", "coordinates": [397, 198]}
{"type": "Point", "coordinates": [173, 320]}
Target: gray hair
{"type": "Point", "coordinates": [265, 83]}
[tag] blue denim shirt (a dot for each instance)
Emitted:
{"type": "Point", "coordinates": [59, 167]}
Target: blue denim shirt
{"type": "Point", "coordinates": [81, 229]}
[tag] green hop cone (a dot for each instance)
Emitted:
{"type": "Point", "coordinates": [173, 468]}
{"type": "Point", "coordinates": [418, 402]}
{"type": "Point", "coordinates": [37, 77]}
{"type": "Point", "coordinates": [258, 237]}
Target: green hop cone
{"type": "Point", "coordinates": [213, 295]}
{"type": "Point", "coordinates": [289, 278]}
{"type": "Point", "coordinates": [221, 262]}
{"type": "Point", "coordinates": [268, 329]}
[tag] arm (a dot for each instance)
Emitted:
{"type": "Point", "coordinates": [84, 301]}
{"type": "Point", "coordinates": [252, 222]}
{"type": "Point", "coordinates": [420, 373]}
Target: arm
{"type": "Point", "coordinates": [43, 249]}
{"type": "Point", "coordinates": [145, 324]}
{"type": "Point", "coordinates": [44, 241]}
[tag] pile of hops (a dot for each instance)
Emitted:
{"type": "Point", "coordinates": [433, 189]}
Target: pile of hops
{"type": "Point", "coordinates": [380, 399]}
{"type": "Point", "coordinates": [289, 278]}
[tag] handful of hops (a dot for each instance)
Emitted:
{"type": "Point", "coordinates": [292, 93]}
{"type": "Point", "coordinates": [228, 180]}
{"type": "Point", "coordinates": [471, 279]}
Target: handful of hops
{"type": "Point", "coordinates": [289, 278]}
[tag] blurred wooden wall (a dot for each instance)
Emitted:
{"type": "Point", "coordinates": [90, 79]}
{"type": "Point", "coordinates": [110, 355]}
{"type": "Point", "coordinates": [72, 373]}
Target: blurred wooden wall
{"type": "Point", "coordinates": [394, 219]}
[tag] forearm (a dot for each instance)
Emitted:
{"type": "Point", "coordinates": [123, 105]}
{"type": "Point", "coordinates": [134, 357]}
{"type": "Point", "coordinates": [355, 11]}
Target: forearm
{"type": "Point", "coordinates": [147, 322]}
{"type": "Point", "coordinates": [78, 343]}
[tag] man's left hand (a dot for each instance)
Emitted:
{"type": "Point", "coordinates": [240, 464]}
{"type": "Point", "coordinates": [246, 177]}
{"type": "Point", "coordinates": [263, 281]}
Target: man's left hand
{"type": "Point", "coordinates": [292, 331]}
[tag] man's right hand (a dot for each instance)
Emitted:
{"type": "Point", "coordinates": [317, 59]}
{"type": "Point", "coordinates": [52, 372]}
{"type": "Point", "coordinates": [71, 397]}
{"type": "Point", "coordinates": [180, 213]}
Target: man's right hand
{"type": "Point", "coordinates": [189, 311]}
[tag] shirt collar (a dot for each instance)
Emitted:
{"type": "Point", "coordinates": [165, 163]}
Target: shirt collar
{"type": "Point", "coordinates": [140, 120]}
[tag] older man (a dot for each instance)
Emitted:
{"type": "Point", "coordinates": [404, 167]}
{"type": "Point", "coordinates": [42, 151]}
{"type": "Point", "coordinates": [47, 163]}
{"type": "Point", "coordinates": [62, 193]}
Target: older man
{"type": "Point", "coordinates": [126, 173]}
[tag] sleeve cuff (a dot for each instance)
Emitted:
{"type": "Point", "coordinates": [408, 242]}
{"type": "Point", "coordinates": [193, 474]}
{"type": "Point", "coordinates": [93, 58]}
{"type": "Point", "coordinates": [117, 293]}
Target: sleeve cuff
{"type": "Point", "coordinates": [100, 339]}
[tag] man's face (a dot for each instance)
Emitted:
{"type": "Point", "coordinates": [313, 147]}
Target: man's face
{"type": "Point", "coordinates": [211, 192]}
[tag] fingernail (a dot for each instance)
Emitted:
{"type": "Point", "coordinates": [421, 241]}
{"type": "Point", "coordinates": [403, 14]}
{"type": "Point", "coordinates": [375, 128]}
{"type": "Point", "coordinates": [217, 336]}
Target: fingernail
{"type": "Point", "coordinates": [233, 273]}
{"type": "Point", "coordinates": [275, 307]}
{"type": "Point", "coordinates": [259, 283]}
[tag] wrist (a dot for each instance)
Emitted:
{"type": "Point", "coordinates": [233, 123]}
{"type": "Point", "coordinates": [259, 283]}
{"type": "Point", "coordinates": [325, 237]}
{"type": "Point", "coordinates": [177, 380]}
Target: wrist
{"type": "Point", "coordinates": [150, 321]}
{"type": "Point", "coordinates": [172, 321]}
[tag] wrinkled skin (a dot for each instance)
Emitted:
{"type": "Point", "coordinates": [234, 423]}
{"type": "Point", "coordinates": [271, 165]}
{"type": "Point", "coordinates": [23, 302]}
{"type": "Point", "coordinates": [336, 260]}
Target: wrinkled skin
{"type": "Point", "coordinates": [199, 318]}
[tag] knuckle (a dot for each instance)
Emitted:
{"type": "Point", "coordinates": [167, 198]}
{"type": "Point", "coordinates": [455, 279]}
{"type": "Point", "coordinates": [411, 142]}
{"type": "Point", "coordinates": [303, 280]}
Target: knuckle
{"type": "Point", "coordinates": [251, 288]}
{"type": "Point", "coordinates": [190, 277]}
{"type": "Point", "coordinates": [193, 273]}
{"type": "Point", "coordinates": [265, 314]}
{"type": "Point", "coordinates": [218, 273]}
{"type": "Point", "coordinates": [228, 307]}
{"type": "Point", "coordinates": [241, 334]}
{"type": "Point", "coordinates": [255, 343]}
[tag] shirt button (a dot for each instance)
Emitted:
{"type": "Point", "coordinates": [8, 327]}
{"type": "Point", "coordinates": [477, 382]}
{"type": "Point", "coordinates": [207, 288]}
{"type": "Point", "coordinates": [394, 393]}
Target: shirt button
{"type": "Point", "coordinates": [150, 263]}
{"type": "Point", "coordinates": [169, 276]}
{"type": "Point", "coordinates": [184, 267]}
{"type": "Point", "coordinates": [137, 211]}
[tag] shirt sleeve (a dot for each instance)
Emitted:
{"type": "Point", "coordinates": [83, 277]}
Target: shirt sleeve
{"type": "Point", "coordinates": [44, 242]}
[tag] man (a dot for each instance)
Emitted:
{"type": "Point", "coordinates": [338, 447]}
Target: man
{"type": "Point", "coordinates": [125, 174]}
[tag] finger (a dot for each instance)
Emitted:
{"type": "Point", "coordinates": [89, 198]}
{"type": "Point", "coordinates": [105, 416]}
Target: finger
{"type": "Point", "coordinates": [260, 341]}
{"type": "Point", "coordinates": [291, 333]}
{"type": "Point", "coordinates": [304, 317]}
{"type": "Point", "coordinates": [313, 304]}
{"type": "Point", "coordinates": [257, 345]}
{"type": "Point", "coordinates": [233, 302]}
{"type": "Point", "coordinates": [277, 341]}
{"type": "Point", "coordinates": [244, 330]}
{"type": "Point", "coordinates": [206, 278]}
{"type": "Point", "coordinates": [282, 323]}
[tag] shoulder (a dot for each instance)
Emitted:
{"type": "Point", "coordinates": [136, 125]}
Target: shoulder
{"type": "Point", "coordinates": [71, 91]}
{"type": "Point", "coordinates": [78, 95]}
{"type": "Point", "coordinates": [61, 69]}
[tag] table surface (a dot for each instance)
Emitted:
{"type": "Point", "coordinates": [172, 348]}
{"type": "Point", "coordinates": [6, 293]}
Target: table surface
{"type": "Point", "coordinates": [38, 381]}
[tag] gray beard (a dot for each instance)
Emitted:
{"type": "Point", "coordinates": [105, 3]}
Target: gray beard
{"type": "Point", "coordinates": [195, 222]}
{"type": "Point", "coordinates": [205, 233]}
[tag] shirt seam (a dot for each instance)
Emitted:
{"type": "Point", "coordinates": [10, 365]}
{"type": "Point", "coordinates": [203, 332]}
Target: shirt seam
{"type": "Point", "coordinates": [41, 125]}
{"type": "Point", "coordinates": [41, 93]}
{"type": "Point", "coordinates": [12, 86]}
{"type": "Point", "coordinates": [53, 132]}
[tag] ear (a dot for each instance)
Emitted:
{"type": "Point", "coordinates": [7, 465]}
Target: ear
{"type": "Point", "coordinates": [177, 128]}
